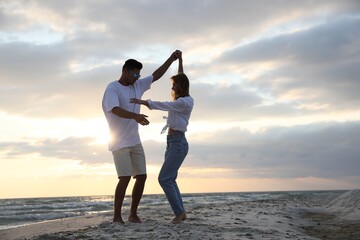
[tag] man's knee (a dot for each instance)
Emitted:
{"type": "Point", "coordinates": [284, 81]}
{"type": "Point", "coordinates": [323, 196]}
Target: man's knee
{"type": "Point", "coordinates": [141, 177]}
{"type": "Point", "coordinates": [124, 179]}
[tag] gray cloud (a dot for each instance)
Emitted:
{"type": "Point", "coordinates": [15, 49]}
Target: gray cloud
{"type": "Point", "coordinates": [320, 63]}
{"type": "Point", "coordinates": [72, 148]}
{"type": "Point", "coordinates": [326, 150]}
{"type": "Point", "coordinates": [323, 43]}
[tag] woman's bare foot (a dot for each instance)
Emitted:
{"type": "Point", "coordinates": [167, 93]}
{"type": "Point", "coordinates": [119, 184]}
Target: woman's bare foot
{"type": "Point", "coordinates": [179, 218]}
{"type": "Point", "coordinates": [134, 219]}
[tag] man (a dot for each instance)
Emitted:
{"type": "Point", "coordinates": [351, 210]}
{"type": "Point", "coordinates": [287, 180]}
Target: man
{"type": "Point", "coordinates": [123, 118]}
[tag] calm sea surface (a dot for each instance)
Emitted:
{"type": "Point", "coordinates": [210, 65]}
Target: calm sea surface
{"type": "Point", "coordinates": [19, 212]}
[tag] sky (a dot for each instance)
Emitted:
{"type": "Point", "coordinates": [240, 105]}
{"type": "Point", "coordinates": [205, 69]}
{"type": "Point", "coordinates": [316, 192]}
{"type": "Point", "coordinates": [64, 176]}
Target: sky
{"type": "Point", "coordinates": [275, 83]}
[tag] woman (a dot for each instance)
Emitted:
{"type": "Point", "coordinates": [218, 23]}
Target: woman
{"type": "Point", "coordinates": [179, 111]}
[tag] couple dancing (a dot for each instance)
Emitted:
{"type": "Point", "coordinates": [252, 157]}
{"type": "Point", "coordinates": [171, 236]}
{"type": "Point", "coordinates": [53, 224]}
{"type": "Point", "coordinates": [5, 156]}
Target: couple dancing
{"type": "Point", "coordinates": [121, 105]}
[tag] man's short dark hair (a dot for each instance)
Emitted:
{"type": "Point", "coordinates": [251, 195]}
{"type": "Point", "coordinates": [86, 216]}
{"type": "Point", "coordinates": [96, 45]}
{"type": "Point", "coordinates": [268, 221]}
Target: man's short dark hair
{"type": "Point", "coordinates": [132, 64]}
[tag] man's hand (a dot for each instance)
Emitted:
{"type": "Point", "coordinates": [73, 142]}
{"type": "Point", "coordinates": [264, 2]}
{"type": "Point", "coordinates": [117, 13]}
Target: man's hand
{"type": "Point", "coordinates": [175, 55]}
{"type": "Point", "coordinates": [158, 73]}
{"type": "Point", "coordinates": [141, 118]}
{"type": "Point", "coordinates": [179, 55]}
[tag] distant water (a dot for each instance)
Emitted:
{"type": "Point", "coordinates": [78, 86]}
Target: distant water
{"type": "Point", "coordinates": [25, 211]}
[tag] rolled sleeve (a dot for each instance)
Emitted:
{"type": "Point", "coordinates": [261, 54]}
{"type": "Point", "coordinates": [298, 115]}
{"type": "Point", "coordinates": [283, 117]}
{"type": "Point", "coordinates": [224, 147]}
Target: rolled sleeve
{"type": "Point", "coordinates": [176, 106]}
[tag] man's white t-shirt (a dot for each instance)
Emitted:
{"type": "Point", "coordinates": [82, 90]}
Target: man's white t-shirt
{"type": "Point", "coordinates": [123, 131]}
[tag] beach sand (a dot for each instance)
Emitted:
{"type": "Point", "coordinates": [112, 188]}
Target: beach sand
{"type": "Point", "coordinates": [297, 217]}
{"type": "Point", "coordinates": [339, 220]}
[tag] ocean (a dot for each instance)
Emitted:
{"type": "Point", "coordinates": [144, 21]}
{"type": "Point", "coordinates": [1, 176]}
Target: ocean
{"type": "Point", "coordinates": [25, 211]}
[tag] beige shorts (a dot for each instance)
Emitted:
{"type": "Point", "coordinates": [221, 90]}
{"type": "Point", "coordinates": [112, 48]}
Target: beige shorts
{"type": "Point", "coordinates": [130, 161]}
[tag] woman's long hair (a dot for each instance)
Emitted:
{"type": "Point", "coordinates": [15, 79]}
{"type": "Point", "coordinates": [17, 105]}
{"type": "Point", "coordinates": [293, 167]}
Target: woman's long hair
{"type": "Point", "coordinates": [182, 84]}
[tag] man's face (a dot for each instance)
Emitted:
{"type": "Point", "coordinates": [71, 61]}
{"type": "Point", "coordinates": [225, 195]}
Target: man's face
{"type": "Point", "coordinates": [133, 75]}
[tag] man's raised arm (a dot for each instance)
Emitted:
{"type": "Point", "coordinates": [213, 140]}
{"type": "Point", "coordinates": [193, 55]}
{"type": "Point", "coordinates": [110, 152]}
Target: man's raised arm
{"type": "Point", "coordinates": [165, 66]}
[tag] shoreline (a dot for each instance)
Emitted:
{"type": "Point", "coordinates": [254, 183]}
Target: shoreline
{"type": "Point", "coordinates": [53, 226]}
{"type": "Point", "coordinates": [292, 217]}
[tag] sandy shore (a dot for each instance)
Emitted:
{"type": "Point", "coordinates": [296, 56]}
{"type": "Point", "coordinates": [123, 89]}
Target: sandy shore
{"type": "Point", "coordinates": [339, 220]}
{"type": "Point", "coordinates": [289, 218]}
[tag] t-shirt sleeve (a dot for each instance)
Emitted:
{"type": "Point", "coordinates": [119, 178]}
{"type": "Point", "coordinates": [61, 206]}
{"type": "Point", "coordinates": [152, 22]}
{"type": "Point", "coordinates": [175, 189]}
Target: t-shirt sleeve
{"type": "Point", "coordinates": [110, 99]}
{"type": "Point", "coordinates": [145, 83]}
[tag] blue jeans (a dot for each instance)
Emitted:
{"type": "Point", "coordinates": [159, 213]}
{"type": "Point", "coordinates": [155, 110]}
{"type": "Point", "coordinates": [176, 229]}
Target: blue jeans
{"type": "Point", "coordinates": [176, 151]}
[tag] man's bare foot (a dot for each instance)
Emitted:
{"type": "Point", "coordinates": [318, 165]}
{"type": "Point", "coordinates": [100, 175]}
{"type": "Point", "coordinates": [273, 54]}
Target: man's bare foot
{"type": "Point", "coordinates": [134, 219]}
{"type": "Point", "coordinates": [179, 218]}
{"type": "Point", "coordinates": [118, 220]}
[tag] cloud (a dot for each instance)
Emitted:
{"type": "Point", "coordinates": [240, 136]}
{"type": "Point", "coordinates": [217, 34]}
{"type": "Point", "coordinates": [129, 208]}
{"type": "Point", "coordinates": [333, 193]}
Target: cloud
{"type": "Point", "coordinates": [316, 66]}
{"type": "Point", "coordinates": [315, 69]}
{"type": "Point", "coordinates": [72, 148]}
{"type": "Point", "coordinates": [325, 150]}
{"type": "Point", "coordinates": [249, 63]}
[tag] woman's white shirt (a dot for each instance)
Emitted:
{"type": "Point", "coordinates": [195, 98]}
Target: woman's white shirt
{"type": "Point", "coordinates": [179, 112]}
